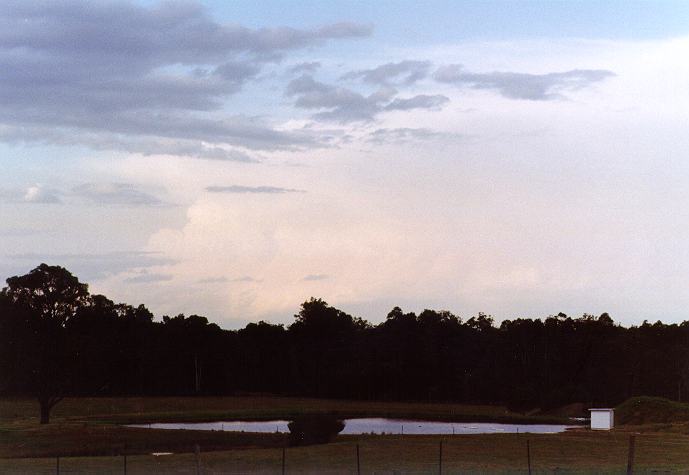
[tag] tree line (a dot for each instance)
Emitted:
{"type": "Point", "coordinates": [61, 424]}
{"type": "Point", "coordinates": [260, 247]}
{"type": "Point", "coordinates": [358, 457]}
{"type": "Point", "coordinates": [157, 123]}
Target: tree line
{"type": "Point", "coordinates": [57, 339]}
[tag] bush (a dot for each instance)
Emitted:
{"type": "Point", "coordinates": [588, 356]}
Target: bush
{"type": "Point", "coordinates": [314, 429]}
{"type": "Point", "coordinates": [650, 410]}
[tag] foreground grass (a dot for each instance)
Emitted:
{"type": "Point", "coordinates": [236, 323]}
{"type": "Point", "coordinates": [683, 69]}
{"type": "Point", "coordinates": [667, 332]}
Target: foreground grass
{"type": "Point", "coordinates": [575, 452]}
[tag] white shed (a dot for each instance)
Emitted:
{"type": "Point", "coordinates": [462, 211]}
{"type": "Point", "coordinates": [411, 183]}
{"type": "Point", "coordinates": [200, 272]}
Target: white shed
{"type": "Point", "coordinates": [602, 418]}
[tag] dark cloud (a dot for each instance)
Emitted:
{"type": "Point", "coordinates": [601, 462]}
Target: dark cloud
{"type": "Point", "coordinates": [402, 73]}
{"type": "Point", "coordinates": [120, 68]}
{"type": "Point", "coordinates": [115, 194]}
{"type": "Point", "coordinates": [251, 189]}
{"type": "Point", "coordinates": [534, 87]}
{"type": "Point", "coordinates": [95, 266]}
{"type": "Point", "coordinates": [421, 101]}
{"type": "Point", "coordinates": [315, 277]}
{"type": "Point", "coordinates": [344, 105]}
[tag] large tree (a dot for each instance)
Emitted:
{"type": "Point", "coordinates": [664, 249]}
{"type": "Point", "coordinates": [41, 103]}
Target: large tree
{"type": "Point", "coordinates": [51, 296]}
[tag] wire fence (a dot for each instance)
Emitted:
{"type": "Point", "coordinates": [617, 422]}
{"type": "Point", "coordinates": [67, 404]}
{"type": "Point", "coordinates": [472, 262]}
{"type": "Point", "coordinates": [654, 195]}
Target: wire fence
{"type": "Point", "coordinates": [403, 456]}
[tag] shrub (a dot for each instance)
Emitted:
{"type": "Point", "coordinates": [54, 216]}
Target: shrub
{"type": "Point", "coordinates": [650, 410]}
{"type": "Point", "coordinates": [314, 429]}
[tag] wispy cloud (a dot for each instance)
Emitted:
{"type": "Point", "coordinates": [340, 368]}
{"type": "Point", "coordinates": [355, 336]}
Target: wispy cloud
{"type": "Point", "coordinates": [115, 194]}
{"type": "Point", "coordinates": [212, 280]}
{"type": "Point", "coordinates": [309, 67]}
{"type": "Point", "coordinates": [421, 101]}
{"type": "Point", "coordinates": [89, 266]}
{"type": "Point", "coordinates": [41, 194]}
{"type": "Point", "coordinates": [315, 277]}
{"type": "Point", "coordinates": [343, 105]}
{"type": "Point", "coordinates": [146, 278]}
{"type": "Point", "coordinates": [239, 189]}
{"type": "Point", "coordinates": [401, 73]}
{"type": "Point", "coordinates": [533, 87]}
{"type": "Point", "coordinates": [407, 134]}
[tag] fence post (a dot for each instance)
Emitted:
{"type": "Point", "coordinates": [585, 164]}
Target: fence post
{"type": "Point", "coordinates": [528, 455]}
{"type": "Point", "coordinates": [125, 459]}
{"type": "Point", "coordinates": [440, 459]}
{"type": "Point", "coordinates": [283, 461]}
{"type": "Point", "coordinates": [57, 466]}
{"type": "Point", "coordinates": [197, 452]}
{"type": "Point", "coordinates": [358, 464]}
{"type": "Point", "coordinates": [630, 456]}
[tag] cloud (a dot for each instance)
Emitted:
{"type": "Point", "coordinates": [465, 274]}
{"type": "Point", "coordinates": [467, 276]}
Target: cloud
{"type": "Point", "coordinates": [146, 278]}
{"type": "Point", "coordinates": [402, 73]}
{"type": "Point", "coordinates": [534, 87]}
{"type": "Point", "coordinates": [345, 105]}
{"type": "Point", "coordinates": [315, 277]}
{"type": "Point", "coordinates": [41, 194]}
{"type": "Point", "coordinates": [306, 67]}
{"type": "Point", "coordinates": [421, 101]}
{"type": "Point", "coordinates": [251, 189]}
{"type": "Point", "coordinates": [119, 68]}
{"type": "Point", "coordinates": [406, 134]}
{"type": "Point", "coordinates": [212, 280]}
{"type": "Point", "coordinates": [115, 194]}
{"type": "Point", "coordinates": [96, 266]}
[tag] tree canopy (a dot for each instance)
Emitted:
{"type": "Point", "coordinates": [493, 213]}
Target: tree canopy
{"type": "Point", "coordinates": [57, 340]}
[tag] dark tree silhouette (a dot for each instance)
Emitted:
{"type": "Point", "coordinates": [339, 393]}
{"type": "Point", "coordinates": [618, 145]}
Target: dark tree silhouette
{"type": "Point", "coordinates": [49, 296]}
{"type": "Point", "coordinates": [56, 340]}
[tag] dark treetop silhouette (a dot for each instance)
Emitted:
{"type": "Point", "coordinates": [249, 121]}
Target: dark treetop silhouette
{"type": "Point", "coordinates": [57, 340]}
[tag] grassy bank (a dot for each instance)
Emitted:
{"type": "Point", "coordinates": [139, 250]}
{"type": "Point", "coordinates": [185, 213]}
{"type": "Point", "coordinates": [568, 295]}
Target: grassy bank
{"type": "Point", "coordinates": [203, 409]}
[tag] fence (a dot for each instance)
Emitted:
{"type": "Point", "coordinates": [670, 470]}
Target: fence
{"type": "Point", "coordinates": [402, 455]}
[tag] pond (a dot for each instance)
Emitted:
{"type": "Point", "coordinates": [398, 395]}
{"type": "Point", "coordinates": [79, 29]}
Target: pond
{"type": "Point", "coordinates": [373, 426]}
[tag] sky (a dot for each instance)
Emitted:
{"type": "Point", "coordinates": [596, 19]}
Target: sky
{"type": "Point", "coordinates": [233, 159]}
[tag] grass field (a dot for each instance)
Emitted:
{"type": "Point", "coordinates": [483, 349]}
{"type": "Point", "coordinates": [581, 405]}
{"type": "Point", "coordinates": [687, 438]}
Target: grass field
{"type": "Point", "coordinates": [86, 426]}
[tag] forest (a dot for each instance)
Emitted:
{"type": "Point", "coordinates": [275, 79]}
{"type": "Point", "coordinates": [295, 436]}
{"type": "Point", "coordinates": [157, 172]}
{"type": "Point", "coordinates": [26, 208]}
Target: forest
{"type": "Point", "coordinates": [57, 340]}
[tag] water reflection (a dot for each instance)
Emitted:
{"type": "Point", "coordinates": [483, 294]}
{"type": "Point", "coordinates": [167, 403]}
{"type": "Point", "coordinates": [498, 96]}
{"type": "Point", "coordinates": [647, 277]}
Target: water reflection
{"type": "Point", "coordinates": [373, 426]}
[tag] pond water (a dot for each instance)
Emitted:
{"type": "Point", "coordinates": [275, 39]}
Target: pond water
{"type": "Point", "coordinates": [373, 426]}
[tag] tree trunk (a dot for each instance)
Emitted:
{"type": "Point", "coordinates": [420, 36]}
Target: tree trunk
{"type": "Point", "coordinates": [45, 412]}
{"type": "Point", "coordinates": [47, 403]}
